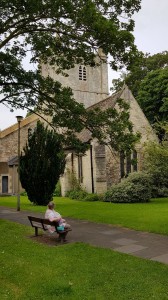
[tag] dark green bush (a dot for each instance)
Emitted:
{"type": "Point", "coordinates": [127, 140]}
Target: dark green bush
{"type": "Point", "coordinates": [135, 188]}
{"type": "Point", "coordinates": [41, 164]}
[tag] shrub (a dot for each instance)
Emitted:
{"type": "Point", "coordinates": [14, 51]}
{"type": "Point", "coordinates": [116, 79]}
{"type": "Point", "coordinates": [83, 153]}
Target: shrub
{"type": "Point", "coordinates": [159, 192]}
{"type": "Point", "coordinates": [77, 194]}
{"type": "Point", "coordinates": [119, 193]}
{"type": "Point", "coordinates": [57, 192]}
{"type": "Point", "coordinates": [91, 197]}
{"type": "Point", "coordinates": [101, 197]}
{"type": "Point", "coordinates": [135, 188]}
{"type": "Point", "coordinates": [140, 178]}
{"type": "Point", "coordinates": [163, 192]}
{"type": "Point", "coordinates": [73, 181]}
{"type": "Point", "coordinates": [80, 194]}
{"type": "Point", "coordinates": [156, 164]}
{"type": "Point", "coordinates": [23, 193]}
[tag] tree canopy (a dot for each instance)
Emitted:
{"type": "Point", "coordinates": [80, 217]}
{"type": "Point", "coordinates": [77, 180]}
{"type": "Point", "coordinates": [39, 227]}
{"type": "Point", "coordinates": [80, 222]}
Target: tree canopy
{"type": "Point", "coordinates": [60, 33]}
{"type": "Point", "coordinates": [153, 95]}
{"type": "Point", "coordinates": [143, 65]}
{"type": "Point", "coordinates": [140, 67]}
{"type": "Point", "coordinates": [148, 80]}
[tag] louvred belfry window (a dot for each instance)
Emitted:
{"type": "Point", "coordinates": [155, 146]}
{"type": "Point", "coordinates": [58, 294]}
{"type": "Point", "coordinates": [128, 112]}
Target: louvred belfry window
{"type": "Point", "coordinates": [82, 73]}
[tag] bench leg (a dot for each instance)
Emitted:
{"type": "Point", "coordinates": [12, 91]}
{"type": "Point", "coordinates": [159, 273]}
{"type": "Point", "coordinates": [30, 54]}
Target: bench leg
{"type": "Point", "coordinates": [36, 231]}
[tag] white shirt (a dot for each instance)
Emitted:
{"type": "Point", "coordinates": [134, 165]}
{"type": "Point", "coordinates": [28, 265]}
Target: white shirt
{"type": "Point", "coordinates": [51, 215]}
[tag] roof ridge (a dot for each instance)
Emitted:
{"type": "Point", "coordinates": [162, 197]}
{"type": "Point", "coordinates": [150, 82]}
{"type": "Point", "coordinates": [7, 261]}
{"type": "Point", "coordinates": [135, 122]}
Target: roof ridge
{"type": "Point", "coordinates": [111, 96]}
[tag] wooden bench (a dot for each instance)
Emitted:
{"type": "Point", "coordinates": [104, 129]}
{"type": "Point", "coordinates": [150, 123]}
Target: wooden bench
{"type": "Point", "coordinates": [40, 223]}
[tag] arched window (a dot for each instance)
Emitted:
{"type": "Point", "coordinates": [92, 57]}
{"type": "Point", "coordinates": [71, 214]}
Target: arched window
{"type": "Point", "coordinates": [135, 168]}
{"type": "Point", "coordinates": [128, 163]}
{"type": "Point", "coordinates": [122, 164]}
{"type": "Point", "coordinates": [82, 73]}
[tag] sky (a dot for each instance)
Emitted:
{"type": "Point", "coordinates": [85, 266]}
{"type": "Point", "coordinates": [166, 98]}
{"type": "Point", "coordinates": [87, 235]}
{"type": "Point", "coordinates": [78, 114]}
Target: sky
{"type": "Point", "coordinates": [151, 24]}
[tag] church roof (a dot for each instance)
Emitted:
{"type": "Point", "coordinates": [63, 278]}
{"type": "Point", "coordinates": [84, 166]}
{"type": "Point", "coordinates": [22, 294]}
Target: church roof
{"type": "Point", "coordinates": [14, 127]}
{"type": "Point", "coordinates": [108, 102]}
{"type": "Point", "coordinates": [85, 135]}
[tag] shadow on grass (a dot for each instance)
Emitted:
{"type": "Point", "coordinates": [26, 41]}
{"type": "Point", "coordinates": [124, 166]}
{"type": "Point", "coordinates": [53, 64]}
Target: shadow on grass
{"type": "Point", "coordinates": [47, 239]}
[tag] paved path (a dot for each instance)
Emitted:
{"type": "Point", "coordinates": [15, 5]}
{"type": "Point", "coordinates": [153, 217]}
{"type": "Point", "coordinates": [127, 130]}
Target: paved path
{"type": "Point", "coordinates": [142, 244]}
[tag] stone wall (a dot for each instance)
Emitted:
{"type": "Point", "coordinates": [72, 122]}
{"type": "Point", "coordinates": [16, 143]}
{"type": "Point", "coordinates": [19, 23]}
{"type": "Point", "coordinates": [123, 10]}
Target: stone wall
{"type": "Point", "coordinates": [112, 168]}
{"type": "Point", "coordinates": [9, 138]}
{"type": "Point", "coordinates": [100, 169]}
{"type": "Point", "coordinates": [139, 120]}
{"type": "Point", "coordinates": [9, 150]}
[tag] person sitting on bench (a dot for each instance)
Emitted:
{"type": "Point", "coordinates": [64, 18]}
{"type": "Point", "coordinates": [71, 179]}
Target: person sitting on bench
{"type": "Point", "coordinates": [54, 216]}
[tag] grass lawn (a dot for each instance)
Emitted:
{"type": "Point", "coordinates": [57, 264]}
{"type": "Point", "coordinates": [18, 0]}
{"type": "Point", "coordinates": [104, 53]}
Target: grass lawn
{"type": "Point", "coordinates": [29, 270]}
{"type": "Point", "coordinates": [151, 217]}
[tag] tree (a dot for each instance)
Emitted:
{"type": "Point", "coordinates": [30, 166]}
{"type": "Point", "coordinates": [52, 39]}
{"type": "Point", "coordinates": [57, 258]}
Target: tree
{"type": "Point", "coordinates": [148, 80]}
{"type": "Point", "coordinates": [145, 64]}
{"type": "Point", "coordinates": [153, 98]}
{"type": "Point", "coordinates": [60, 33]}
{"type": "Point", "coordinates": [41, 164]}
{"type": "Point", "coordinates": [140, 67]}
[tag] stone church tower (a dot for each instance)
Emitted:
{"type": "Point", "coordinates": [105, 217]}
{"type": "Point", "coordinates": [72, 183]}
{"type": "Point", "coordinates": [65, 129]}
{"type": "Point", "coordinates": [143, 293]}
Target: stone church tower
{"type": "Point", "coordinates": [89, 84]}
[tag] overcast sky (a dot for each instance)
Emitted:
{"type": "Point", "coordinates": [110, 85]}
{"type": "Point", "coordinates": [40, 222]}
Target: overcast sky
{"type": "Point", "coordinates": [151, 25]}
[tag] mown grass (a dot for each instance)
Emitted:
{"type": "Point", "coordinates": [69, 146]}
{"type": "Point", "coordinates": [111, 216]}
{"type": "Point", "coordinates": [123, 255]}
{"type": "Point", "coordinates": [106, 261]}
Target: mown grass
{"type": "Point", "coordinates": [151, 217]}
{"type": "Point", "coordinates": [30, 270]}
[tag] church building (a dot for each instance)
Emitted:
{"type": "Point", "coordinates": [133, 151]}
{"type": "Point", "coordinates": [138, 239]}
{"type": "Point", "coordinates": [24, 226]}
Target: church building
{"type": "Point", "coordinates": [98, 169]}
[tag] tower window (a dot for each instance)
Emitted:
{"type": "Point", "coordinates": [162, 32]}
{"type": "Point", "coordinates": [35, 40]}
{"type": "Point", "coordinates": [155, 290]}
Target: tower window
{"type": "Point", "coordinates": [82, 73]}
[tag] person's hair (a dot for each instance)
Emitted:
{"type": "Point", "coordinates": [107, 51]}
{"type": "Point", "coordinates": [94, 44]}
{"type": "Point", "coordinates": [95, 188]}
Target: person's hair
{"type": "Point", "coordinates": [51, 205]}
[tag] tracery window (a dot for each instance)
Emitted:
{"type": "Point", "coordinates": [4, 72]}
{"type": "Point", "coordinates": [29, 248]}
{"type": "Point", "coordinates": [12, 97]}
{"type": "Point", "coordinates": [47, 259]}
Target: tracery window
{"type": "Point", "coordinates": [128, 163]}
